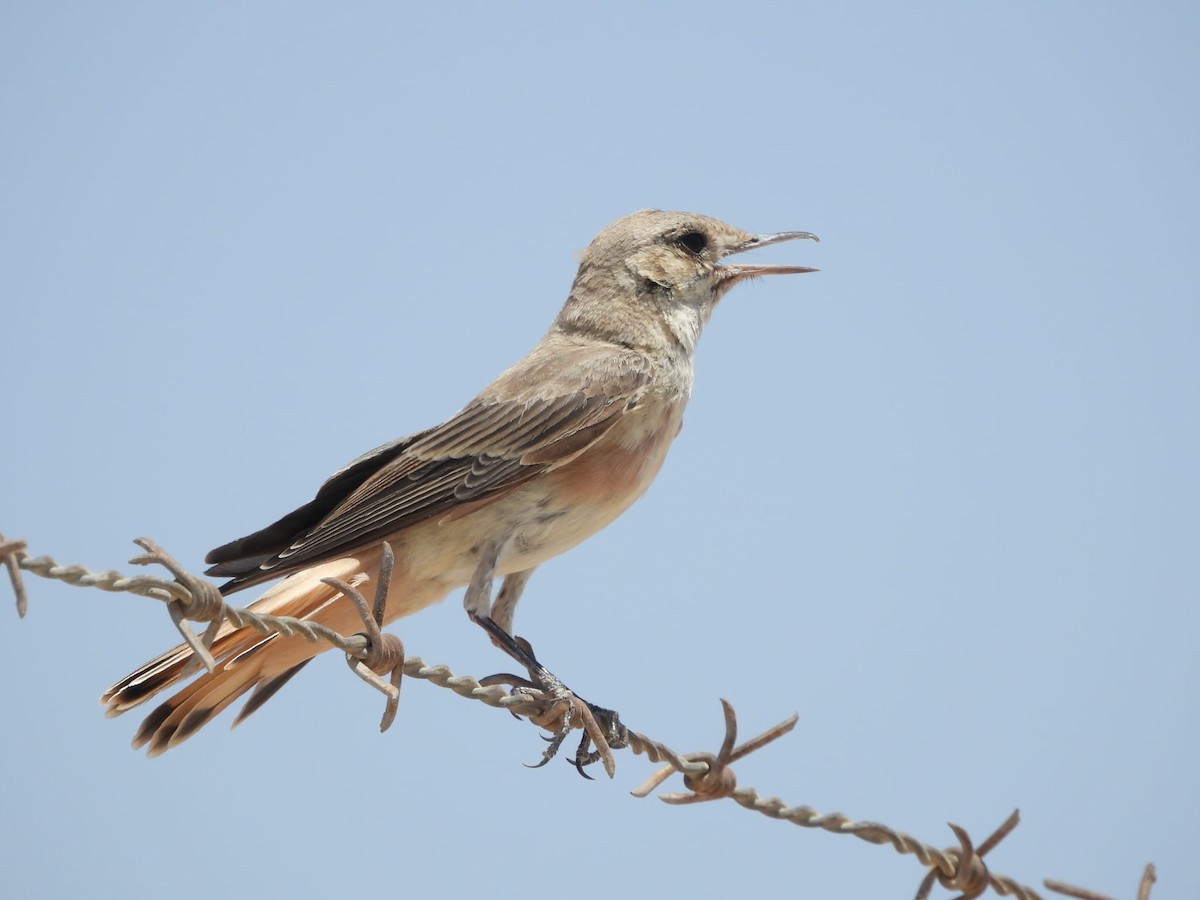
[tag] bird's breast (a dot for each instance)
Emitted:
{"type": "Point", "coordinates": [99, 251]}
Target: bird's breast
{"type": "Point", "coordinates": [573, 502]}
{"type": "Point", "coordinates": [555, 510]}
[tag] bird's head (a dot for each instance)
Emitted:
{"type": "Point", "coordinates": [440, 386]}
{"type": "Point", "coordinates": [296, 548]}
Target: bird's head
{"type": "Point", "coordinates": [666, 268]}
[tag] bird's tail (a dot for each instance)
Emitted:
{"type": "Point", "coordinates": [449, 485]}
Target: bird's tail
{"type": "Point", "coordinates": [247, 660]}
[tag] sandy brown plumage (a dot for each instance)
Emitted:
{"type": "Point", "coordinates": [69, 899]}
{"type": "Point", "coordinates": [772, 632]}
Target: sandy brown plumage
{"type": "Point", "coordinates": [549, 453]}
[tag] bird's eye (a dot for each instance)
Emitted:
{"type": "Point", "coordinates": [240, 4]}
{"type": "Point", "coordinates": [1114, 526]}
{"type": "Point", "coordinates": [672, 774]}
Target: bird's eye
{"type": "Point", "coordinates": [693, 242]}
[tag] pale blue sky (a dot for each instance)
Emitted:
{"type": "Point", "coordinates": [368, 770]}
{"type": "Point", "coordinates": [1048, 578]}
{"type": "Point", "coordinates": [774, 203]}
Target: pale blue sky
{"type": "Point", "coordinates": [940, 499]}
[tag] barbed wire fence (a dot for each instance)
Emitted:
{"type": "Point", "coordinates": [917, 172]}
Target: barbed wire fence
{"type": "Point", "coordinates": [380, 659]}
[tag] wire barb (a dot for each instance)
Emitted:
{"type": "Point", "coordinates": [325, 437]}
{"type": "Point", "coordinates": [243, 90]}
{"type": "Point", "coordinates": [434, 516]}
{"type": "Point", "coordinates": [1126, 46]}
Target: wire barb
{"type": "Point", "coordinates": [717, 779]}
{"type": "Point", "coordinates": [1149, 876]}
{"type": "Point", "coordinates": [384, 653]}
{"type": "Point", "coordinates": [12, 552]}
{"type": "Point", "coordinates": [969, 872]}
{"type": "Point", "coordinates": [199, 601]}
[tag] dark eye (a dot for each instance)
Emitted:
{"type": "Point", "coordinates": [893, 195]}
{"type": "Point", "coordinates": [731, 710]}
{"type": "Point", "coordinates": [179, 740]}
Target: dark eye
{"type": "Point", "coordinates": [693, 242]}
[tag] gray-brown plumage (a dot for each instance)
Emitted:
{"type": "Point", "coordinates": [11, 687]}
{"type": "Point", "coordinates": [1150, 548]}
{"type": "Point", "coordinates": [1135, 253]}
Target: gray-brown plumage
{"type": "Point", "coordinates": [552, 451]}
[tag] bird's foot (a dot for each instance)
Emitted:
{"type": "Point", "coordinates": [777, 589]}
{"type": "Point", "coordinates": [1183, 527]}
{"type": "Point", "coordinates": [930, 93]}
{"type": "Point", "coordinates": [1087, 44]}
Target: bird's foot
{"type": "Point", "coordinates": [602, 728]}
{"type": "Point", "coordinates": [603, 731]}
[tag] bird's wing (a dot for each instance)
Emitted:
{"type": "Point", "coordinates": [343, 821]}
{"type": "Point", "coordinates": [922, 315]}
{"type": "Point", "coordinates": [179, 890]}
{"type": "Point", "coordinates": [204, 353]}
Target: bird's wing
{"type": "Point", "coordinates": [492, 446]}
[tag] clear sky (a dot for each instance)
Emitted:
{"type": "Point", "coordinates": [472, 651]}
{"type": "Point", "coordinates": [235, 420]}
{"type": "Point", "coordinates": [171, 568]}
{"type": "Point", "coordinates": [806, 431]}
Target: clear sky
{"type": "Point", "coordinates": [940, 499]}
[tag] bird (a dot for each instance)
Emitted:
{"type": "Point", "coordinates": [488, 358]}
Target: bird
{"type": "Point", "coordinates": [552, 451]}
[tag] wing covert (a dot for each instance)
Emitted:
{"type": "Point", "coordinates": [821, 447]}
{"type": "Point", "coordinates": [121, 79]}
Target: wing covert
{"type": "Point", "coordinates": [488, 449]}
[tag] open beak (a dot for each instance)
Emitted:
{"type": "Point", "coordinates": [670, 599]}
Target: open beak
{"type": "Point", "coordinates": [730, 275]}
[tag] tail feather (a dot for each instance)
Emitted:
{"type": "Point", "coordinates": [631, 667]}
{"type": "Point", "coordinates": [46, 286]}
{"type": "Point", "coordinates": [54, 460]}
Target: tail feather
{"type": "Point", "coordinates": [247, 660]}
{"type": "Point", "coordinates": [183, 714]}
{"type": "Point", "coordinates": [264, 691]}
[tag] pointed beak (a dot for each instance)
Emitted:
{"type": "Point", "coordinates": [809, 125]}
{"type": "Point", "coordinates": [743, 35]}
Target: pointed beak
{"type": "Point", "coordinates": [730, 275]}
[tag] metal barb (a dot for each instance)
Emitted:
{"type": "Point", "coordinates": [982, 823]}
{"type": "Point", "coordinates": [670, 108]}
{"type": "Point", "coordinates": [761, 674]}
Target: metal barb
{"type": "Point", "coordinates": [1005, 829]}
{"type": "Point", "coordinates": [197, 600]}
{"type": "Point", "coordinates": [1071, 890]}
{"type": "Point", "coordinates": [383, 653]}
{"type": "Point", "coordinates": [711, 777]}
{"type": "Point", "coordinates": [967, 871]}
{"type": "Point", "coordinates": [1149, 876]}
{"type": "Point", "coordinates": [12, 552]}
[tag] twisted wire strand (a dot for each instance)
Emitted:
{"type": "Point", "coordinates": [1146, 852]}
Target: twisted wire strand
{"type": "Point", "coordinates": [702, 772]}
{"type": "Point", "coordinates": [107, 580]}
{"type": "Point", "coordinates": [945, 862]}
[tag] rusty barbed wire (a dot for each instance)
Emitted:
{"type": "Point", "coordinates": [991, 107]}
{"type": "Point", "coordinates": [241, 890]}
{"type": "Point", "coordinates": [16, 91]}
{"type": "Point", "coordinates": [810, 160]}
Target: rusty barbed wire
{"type": "Point", "coordinates": [373, 653]}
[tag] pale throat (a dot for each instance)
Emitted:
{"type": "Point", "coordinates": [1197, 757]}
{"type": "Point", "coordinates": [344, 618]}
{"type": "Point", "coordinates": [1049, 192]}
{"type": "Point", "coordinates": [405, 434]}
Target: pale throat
{"type": "Point", "coordinates": [685, 322]}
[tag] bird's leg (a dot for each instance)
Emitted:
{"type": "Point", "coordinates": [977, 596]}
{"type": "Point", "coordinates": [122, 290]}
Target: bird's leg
{"type": "Point", "coordinates": [505, 605]}
{"type": "Point", "coordinates": [496, 618]}
{"type": "Point", "coordinates": [602, 727]}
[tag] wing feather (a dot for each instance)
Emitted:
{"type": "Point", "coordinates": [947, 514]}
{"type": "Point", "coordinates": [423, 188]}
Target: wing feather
{"type": "Point", "coordinates": [494, 445]}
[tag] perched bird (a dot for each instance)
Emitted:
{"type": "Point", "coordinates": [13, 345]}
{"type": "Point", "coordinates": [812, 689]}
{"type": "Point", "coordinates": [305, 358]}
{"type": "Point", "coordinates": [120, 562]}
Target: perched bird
{"type": "Point", "coordinates": [548, 454]}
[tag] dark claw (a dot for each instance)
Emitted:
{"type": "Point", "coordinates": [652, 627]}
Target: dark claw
{"type": "Point", "coordinates": [583, 758]}
{"type": "Point", "coordinates": [554, 743]}
{"type": "Point", "coordinates": [606, 731]}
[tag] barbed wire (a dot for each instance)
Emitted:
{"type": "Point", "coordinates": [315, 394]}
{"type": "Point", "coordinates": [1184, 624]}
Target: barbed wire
{"type": "Point", "coordinates": [373, 654]}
